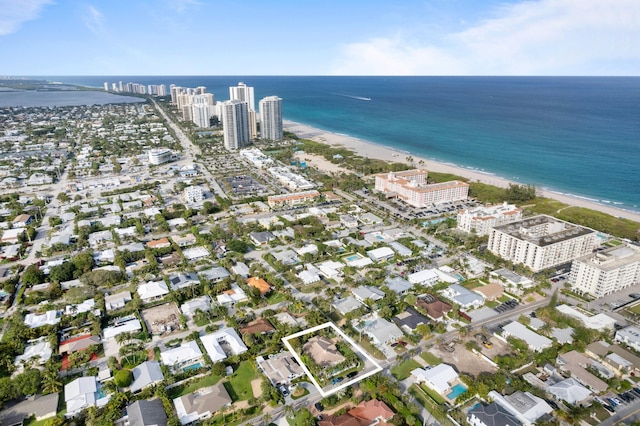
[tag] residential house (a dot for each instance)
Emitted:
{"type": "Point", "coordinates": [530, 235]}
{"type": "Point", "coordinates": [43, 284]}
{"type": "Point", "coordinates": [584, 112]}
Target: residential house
{"type": "Point", "coordinates": [241, 269]}
{"type": "Point", "coordinates": [426, 277]}
{"type": "Point", "coordinates": [152, 291]}
{"type": "Point", "coordinates": [260, 284]}
{"type": "Point", "coordinates": [192, 306]}
{"type": "Point", "coordinates": [146, 374]}
{"type": "Point", "coordinates": [187, 355]}
{"type": "Point", "coordinates": [145, 413]}
{"type": "Point", "coordinates": [398, 285]}
{"type": "Point", "coordinates": [215, 274]}
{"type": "Point", "coordinates": [82, 393]}
{"type": "Point", "coordinates": [323, 351]}
{"type": "Point", "coordinates": [379, 330]}
{"type": "Point", "coordinates": [490, 292]}
{"type": "Point", "coordinates": [280, 368]}
{"type": "Point", "coordinates": [535, 341]}
{"type": "Point", "coordinates": [201, 404]}
{"type": "Point", "coordinates": [365, 292]}
{"type": "Point", "coordinates": [409, 320]}
{"type": "Point", "coordinates": [259, 326]}
{"type": "Point", "coordinates": [159, 243]}
{"type": "Point", "coordinates": [38, 351]}
{"type": "Point", "coordinates": [215, 344]}
{"type": "Point", "coordinates": [195, 254]}
{"type": "Point", "coordinates": [184, 241]}
{"type": "Point", "coordinates": [232, 296]}
{"type": "Point", "coordinates": [346, 305]}
{"type": "Point", "coordinates": [32, 320]}
{"type": "Point", "coordinates": [527, 407]}
{"type": "Point", "coordinates": [116, 301]}
{"type": "Point", "coordinates": [492, 414]}
{"type": "Point", "coordinates": [78, 343]}
{"type": "Point", "coordinates": [435, 308]}
{"type": "Point", "coordinates": [570, 390]}
{"type": "Point", "coordinates": [261, 238]}
{"type": "Point", "coordinates": [181, 280]}
{"type": "Point", "coordinates": [22, 221]}
{"type": "Point", "coordinates": [630, 336]}
{"type": "Point", "coordinates": [374, 412]}
{"type": "Point", "coordinates": [41, 407]}
{"type": "Point", "coordinates": [462, 296]}
{"type": "Point", "coordinates": [381, 254]}
{"type": "Point", "coordinates": [441, 378]}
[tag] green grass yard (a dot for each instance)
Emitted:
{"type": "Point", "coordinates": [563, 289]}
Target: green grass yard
{"type": "Point", "coordinates": [239, 384]}
{"type": "Point", "coordinates": [403, 370]}
{"type": "Point", "coordinates": [430, 358]}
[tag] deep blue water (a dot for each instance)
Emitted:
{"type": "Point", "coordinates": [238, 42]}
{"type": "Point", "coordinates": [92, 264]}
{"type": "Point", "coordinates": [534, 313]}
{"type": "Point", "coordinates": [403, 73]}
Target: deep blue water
{"type": "Point", "coordinates": [576, 135]}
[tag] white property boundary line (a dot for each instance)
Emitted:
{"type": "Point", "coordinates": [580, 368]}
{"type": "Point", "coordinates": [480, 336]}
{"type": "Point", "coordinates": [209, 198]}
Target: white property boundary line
{"type": "Point", "coordinates": [349, 340]}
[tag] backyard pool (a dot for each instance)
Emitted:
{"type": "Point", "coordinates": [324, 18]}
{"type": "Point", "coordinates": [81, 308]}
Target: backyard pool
{"type": "Point", "coordinates": [456, 391]}
{"type": "Point", "coordinates": [193, 367]}
{"type": "Point", "coordinates": [352, 257]}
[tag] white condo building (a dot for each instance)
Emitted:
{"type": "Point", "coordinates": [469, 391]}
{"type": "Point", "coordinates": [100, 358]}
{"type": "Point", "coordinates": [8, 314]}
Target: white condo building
{"type": "Point", "coordinates": [159, 156]}
{"type": "Point", "coordinates": [244, 93]}
{"type": "Point", "coordinates": [200, 115]}
{"type": "Point", "coordinates": [411, 187]}
{"type": "Point", "coordinates": [541, 242]}
{"type": "Point", "coordinates": [271, 118]}
{"type": "Point", "coordinates": [480, 220]}
{"type": "Point", "coordinates": [607, 271]}
{"type": "Point", "coordinates": [235, 124]}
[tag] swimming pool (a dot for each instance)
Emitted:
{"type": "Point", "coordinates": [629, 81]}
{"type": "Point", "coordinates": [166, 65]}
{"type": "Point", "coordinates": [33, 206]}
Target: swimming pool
{"type": "Point", "coordinates": [456, 391]}
{"type": "Point", "coordinates": [193, 367]}
{"type": "Point", "coordinates": [352, 257]}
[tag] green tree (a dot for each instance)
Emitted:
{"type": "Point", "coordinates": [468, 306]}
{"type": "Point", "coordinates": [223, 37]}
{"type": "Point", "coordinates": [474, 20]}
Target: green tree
{"type": "Point", "coordinates": [33, 275]}
{"type": "Point", "coordinates": [123, 378]}
{"type": "Point", "coordinates": [28, 383]}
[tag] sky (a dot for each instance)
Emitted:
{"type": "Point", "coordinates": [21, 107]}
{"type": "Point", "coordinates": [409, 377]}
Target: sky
{"type": "Point", "coordinates": [320, 37]}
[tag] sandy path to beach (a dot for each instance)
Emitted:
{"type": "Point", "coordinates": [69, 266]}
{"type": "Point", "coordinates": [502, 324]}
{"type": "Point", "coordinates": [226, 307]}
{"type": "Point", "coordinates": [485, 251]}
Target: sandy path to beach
{"type": "Point", "coordinates": [365, 148]}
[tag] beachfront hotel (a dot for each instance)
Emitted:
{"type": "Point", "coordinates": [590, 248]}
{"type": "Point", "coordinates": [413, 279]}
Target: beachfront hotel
{"type": "Point", "coordinates": [479, 220]}
{"type": "Point", "coordinates": [271, 118]}
{"type": "Point", "coordinates": [411, 187]}
{"type": "Point", "coordinates": [541, 242]}
{"type": "Point", "coordinates": [605, 272]}
{"type": "Point", "coordinates": [235, 124]}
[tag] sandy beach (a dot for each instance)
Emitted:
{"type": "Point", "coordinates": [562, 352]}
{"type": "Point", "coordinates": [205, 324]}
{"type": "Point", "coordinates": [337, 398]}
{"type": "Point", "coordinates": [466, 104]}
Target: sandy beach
{"type": "Point", "coordinates": [372, 150]}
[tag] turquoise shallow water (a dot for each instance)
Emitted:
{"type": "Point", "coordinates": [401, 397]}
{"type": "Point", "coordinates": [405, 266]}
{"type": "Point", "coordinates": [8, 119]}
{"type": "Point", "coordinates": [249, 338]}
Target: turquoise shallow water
{"type": "Point", "coordinates": [575, 135]}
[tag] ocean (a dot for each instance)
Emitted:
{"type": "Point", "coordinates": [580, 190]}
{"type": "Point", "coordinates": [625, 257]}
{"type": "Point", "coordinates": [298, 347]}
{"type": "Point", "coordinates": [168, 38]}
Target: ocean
{"type": "Point", "coordinates": [574, 135]}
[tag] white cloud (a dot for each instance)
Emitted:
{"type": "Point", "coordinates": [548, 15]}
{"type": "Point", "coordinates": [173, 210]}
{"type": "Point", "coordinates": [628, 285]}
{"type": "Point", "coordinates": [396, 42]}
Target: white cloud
{"type": "Point", "coordinates": [181, 6]}
{"type": "Point", "coordinates": [94, 20]}
{"type": "Point", "coordinates": [13, 13]}
{"type": "Point", "coordinates": [540, 37]}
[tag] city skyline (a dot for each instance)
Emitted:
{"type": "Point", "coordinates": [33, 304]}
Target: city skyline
{"type": "Point", "coordinates": [430, 37]}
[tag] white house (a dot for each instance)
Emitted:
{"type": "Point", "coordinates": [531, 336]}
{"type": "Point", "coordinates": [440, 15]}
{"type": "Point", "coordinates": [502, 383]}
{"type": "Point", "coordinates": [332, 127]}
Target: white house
{"type": "Point", "coordinates": [153, 290]}
{"type": "Point", "coordinates": [535, 341]}
{"type": "Point", "coordinates": [188, 354]}
{"type": "Point", "coordinates": [381, 254]}
{"type": "Point", "coordinates": [426, 277]}
{"type": "Point", "coordinates": [82, 393]}
{"type": "Point", "coordinates": [439, 378]}
{"type": "Point", "coordinates": [213, 344]}
{"type": "Point", "coordinates": [629, 336]}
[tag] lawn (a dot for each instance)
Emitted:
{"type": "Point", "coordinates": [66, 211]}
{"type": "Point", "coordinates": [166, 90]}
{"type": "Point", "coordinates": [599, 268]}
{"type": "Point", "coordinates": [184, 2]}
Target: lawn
{"type": "Point", "coordinates": [179, 391]}
{"type": "Point", "coordinates": [373, 351]}
{"type": "Point", "coordinates": [403, 370]}
{"type": "Point", "coordinates": [276, 297]}
{"type": "Point", "coordinates": [635, 309]}
{"type": "Point", "coordinates": [239, 385]}
{"type": "Point", "coordinates": [430, 358]}
{"type": "Point", "coordinates": [433, 394]}
{"type": "Point", "coordinates": [429, 405]}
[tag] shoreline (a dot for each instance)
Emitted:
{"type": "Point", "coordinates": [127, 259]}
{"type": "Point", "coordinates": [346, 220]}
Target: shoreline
{"type": "Point", "coordinates": [381, 152]}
